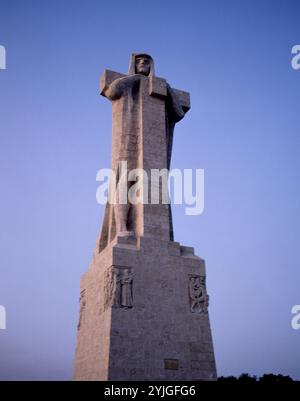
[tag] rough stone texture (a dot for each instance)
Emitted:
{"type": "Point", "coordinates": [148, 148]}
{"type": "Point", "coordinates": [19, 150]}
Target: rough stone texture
{"type": "Point", "coordinates": [143, 301]}
{"type": "Point", "coordinates": [145, 110]}
{"type": "Point", "coordinates": [136, 343]}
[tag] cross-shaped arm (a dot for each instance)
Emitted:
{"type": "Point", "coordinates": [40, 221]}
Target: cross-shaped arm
{"type": "Point", "coordinates": [158, 87]}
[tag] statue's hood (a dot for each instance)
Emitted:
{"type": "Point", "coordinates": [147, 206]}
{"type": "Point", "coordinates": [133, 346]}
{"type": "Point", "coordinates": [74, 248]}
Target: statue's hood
{"type": "Point", "coordinates": [131, 70]}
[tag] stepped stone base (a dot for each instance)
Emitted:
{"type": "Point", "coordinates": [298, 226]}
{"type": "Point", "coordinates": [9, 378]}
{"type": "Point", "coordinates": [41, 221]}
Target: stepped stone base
{"type": "Point", "coordinates": [143, 314]}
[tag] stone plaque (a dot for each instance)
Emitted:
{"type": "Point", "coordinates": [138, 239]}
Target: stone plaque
{"type": "Point", "coordinates": [172, 364]}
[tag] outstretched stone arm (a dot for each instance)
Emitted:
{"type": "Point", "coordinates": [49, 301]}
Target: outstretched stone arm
{"type": "Point", "coordinates": [174, 105]}
{"type": "Point", "coordinates": [116, 89]}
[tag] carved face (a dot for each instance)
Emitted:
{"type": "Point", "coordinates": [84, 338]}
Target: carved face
{"type": "Point", "coordinates": [142, 65]}
{"type": "Point", "coordinates": [196, 283]}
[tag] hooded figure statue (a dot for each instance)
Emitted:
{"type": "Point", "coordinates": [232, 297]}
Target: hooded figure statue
{"type": "Point", "coordinates": [124, 94]}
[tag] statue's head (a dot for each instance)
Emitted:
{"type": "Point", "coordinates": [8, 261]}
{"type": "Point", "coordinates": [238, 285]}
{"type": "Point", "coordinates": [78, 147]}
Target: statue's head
{"type": "Point", "coordinates": [141, 63]}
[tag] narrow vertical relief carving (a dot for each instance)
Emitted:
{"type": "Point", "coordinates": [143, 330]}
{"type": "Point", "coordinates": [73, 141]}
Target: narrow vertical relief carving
{"type": "Point", "coordinates": [118, 288]}
{"type": "Point", "coordinates": [109, 288]}
{"type": "Point", "coordinates": [124, 285]}
{"type": "Point", "coordinates": [82, 303]}
{"type": "Point", "coordinates": [199, 299]}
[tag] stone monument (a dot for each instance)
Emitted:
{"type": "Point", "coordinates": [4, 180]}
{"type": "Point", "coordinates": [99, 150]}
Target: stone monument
{"type": "Point", "coordinates": [143, 301]}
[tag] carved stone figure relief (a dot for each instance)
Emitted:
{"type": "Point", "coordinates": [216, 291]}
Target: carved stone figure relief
{"type": "Point", "coordinates": [199, 298]}
{"type": "Point", "coordinates": [109, 288]}
{"type": "Point", "coordinates": [124, 296]}
{"type": "Point", "coordinates": [82, 303]}
{"type": "Point", "coordinates": [118, 288]}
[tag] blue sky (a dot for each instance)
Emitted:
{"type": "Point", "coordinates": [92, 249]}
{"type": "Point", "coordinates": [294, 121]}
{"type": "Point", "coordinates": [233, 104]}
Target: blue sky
{"type": "Point", "coordinates": [234, 57]}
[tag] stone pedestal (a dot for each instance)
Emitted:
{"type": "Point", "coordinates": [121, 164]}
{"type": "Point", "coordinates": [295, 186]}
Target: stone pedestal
{"type": "Point", "coordinates": [143, 314]}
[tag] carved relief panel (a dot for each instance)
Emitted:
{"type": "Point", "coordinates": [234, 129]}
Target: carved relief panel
{"type": "Point", "coordinates": [198, 296]}
{"type": "Point", "coordinates": [118, 288]}
{"type": "Point", "coordinates": [82, 304]}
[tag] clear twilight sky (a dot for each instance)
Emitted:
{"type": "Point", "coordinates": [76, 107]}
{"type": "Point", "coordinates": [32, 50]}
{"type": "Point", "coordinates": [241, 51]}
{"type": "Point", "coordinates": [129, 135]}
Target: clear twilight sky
{"type": "Point", "coordinates": [234, 57]}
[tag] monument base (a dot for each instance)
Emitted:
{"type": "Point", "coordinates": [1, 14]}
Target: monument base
{"type": "Point", "coordinates": [143, 314]}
